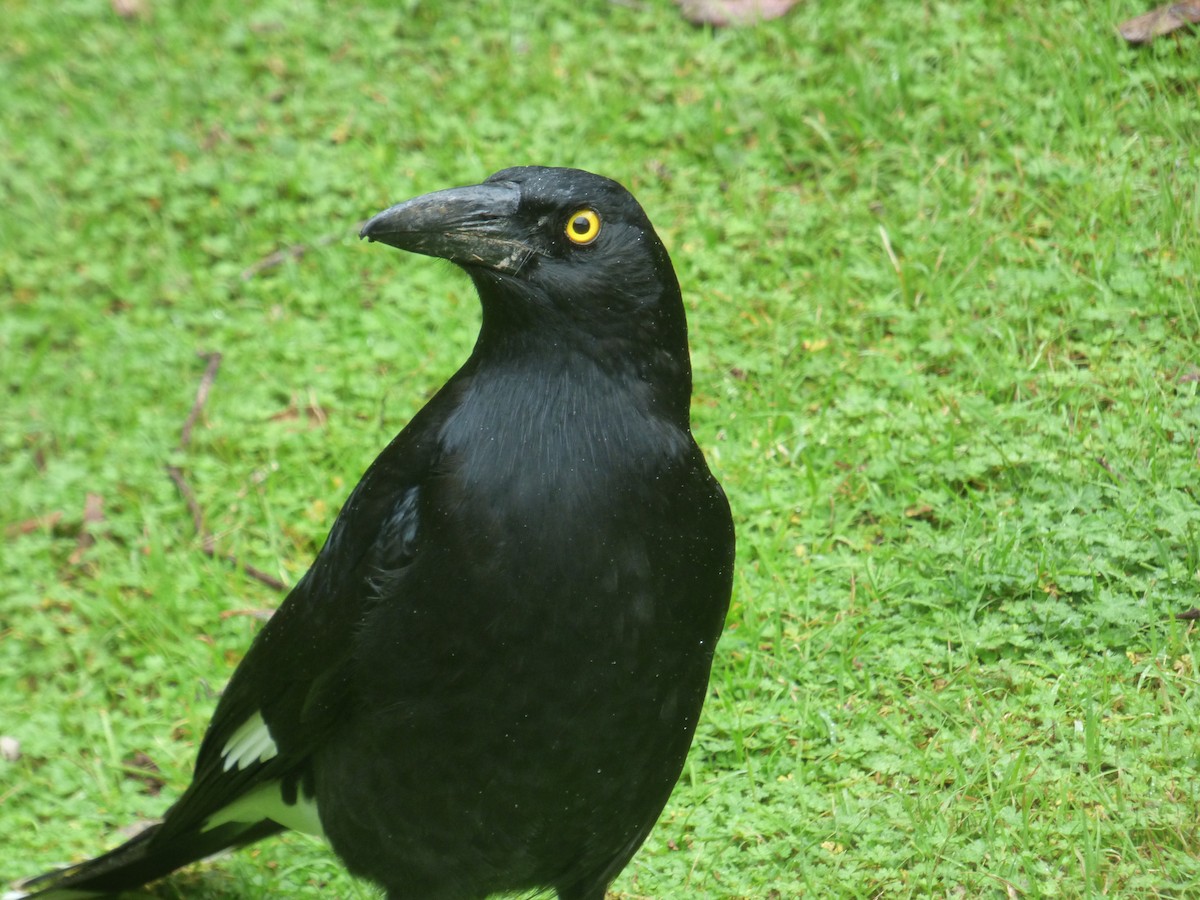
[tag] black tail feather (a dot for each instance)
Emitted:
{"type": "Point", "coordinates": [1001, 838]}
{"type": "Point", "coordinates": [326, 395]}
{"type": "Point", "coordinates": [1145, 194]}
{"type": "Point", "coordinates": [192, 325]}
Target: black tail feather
{"type": "Point", "coordinates": [142, 859]}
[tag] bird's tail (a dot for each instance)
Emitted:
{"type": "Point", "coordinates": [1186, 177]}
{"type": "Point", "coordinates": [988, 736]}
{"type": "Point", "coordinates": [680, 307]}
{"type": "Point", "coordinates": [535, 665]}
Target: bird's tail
{"type": "Point", "coordinates": [143, 859]}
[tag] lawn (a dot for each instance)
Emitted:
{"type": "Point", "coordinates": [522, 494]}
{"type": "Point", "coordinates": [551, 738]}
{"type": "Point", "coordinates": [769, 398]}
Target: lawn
{"type": "Point", "coordinates": [940, 263]}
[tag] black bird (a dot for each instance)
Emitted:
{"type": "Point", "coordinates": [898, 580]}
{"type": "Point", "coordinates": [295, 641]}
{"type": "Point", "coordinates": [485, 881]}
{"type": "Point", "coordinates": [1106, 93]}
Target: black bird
{"type": "Point", "coordinates": [489, 678]}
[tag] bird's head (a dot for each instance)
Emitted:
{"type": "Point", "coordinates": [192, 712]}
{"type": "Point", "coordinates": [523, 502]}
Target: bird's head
{"type": "Point", "coordinates": [560, 253]}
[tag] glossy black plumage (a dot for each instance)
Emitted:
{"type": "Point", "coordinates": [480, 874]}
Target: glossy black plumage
{"type": "Point", "coordinates": [490, 676]}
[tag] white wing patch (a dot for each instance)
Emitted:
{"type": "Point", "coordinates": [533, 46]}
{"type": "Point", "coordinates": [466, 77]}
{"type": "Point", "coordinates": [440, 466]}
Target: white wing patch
{"type": "Point", "coordinates": [266, 802]}
{"type": "Point", "coordinates": [250, 744]}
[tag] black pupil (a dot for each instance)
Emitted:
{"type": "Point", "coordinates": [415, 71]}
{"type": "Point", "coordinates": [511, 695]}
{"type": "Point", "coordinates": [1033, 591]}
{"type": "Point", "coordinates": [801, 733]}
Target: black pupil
{"type": "Point", "coordinates": [581, 225]}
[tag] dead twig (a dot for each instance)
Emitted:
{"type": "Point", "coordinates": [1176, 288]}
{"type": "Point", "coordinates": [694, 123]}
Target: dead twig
{"type": "Point", "coordinates": [175, 473]}
{"type": "Point", "coordinates": [257, 574]}
{"type": "Point", "coordinates": [295, 251]}
{"type": "Point", "coordinates": [206, 539]}
{"type": "Point", "coordinates": [261, 614]}
{"type": "Point", "coordinates": [213, 361]}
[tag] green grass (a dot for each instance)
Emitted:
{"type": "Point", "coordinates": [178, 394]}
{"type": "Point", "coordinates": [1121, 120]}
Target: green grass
{"type": "Point", "coordinates": [940, 263]}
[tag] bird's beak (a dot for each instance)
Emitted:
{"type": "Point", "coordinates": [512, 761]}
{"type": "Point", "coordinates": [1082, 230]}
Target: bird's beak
{"type": "Point", "coordinates": [471, 226]}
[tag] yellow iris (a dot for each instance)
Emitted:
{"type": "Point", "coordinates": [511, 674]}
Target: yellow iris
{"type": "Point", "coordinates": [583, 226]}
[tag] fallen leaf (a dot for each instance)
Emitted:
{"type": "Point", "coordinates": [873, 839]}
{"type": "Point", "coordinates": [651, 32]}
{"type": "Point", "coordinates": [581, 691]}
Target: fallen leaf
{"type": "Point", "coordinates": [723, 13]}
{"type": "Point", "coordinates": [313, 413]}
{"type": "Point", "coordinates": [144, 769]}
{"type": "Point", "coordinates": [37, 523]}
{"type": "Point", "coordinates": [93, 513]}
{"type": "Point", "coordinates": [924, 512]}
{"type": "Point", "coordinates": [1145, 28]}
{"type": "Point", "coordinates": [129, 9]}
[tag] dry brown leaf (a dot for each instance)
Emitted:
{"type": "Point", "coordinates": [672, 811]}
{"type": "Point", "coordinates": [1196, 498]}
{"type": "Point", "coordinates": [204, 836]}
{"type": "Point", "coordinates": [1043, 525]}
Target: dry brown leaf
{"type": "Point", "coordinates": [722, 13]}
{"type": "Point", "coordinates": [1145, 28]}
{"type": "Point", "coordinates": [141, 767]}
{"type": "Point", "coordinates": [129, 9]}
{"type": "Point", "coordinates": [924, 512]}
{"type": "Point", "coordinates": [93, 514]}
{"type": "Point", "coordinates": [37, 523]}
{"type": "Point", "coordinates": [312, 412]}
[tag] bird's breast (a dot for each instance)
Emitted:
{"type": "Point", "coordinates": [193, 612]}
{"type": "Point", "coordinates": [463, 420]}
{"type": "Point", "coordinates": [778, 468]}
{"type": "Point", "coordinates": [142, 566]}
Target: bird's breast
{"type": "Point", "coordinates": [565, 440]}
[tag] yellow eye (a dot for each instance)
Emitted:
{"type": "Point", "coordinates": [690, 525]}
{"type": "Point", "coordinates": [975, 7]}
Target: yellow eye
{"type": "Point", "coordinates": [583, 227]}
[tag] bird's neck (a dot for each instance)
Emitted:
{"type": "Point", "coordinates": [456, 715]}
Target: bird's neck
{"type": "Point", "coordinates": [638, 360]}
{"type": "Point", "coordinates": [543, 411]}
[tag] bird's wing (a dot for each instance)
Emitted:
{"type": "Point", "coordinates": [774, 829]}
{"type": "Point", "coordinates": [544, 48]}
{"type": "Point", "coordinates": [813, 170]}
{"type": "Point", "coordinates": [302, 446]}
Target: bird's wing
{"type": "Point", "coordinates": [253, 773]}
{"type": "Point", "coordinates": [284, 699]}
